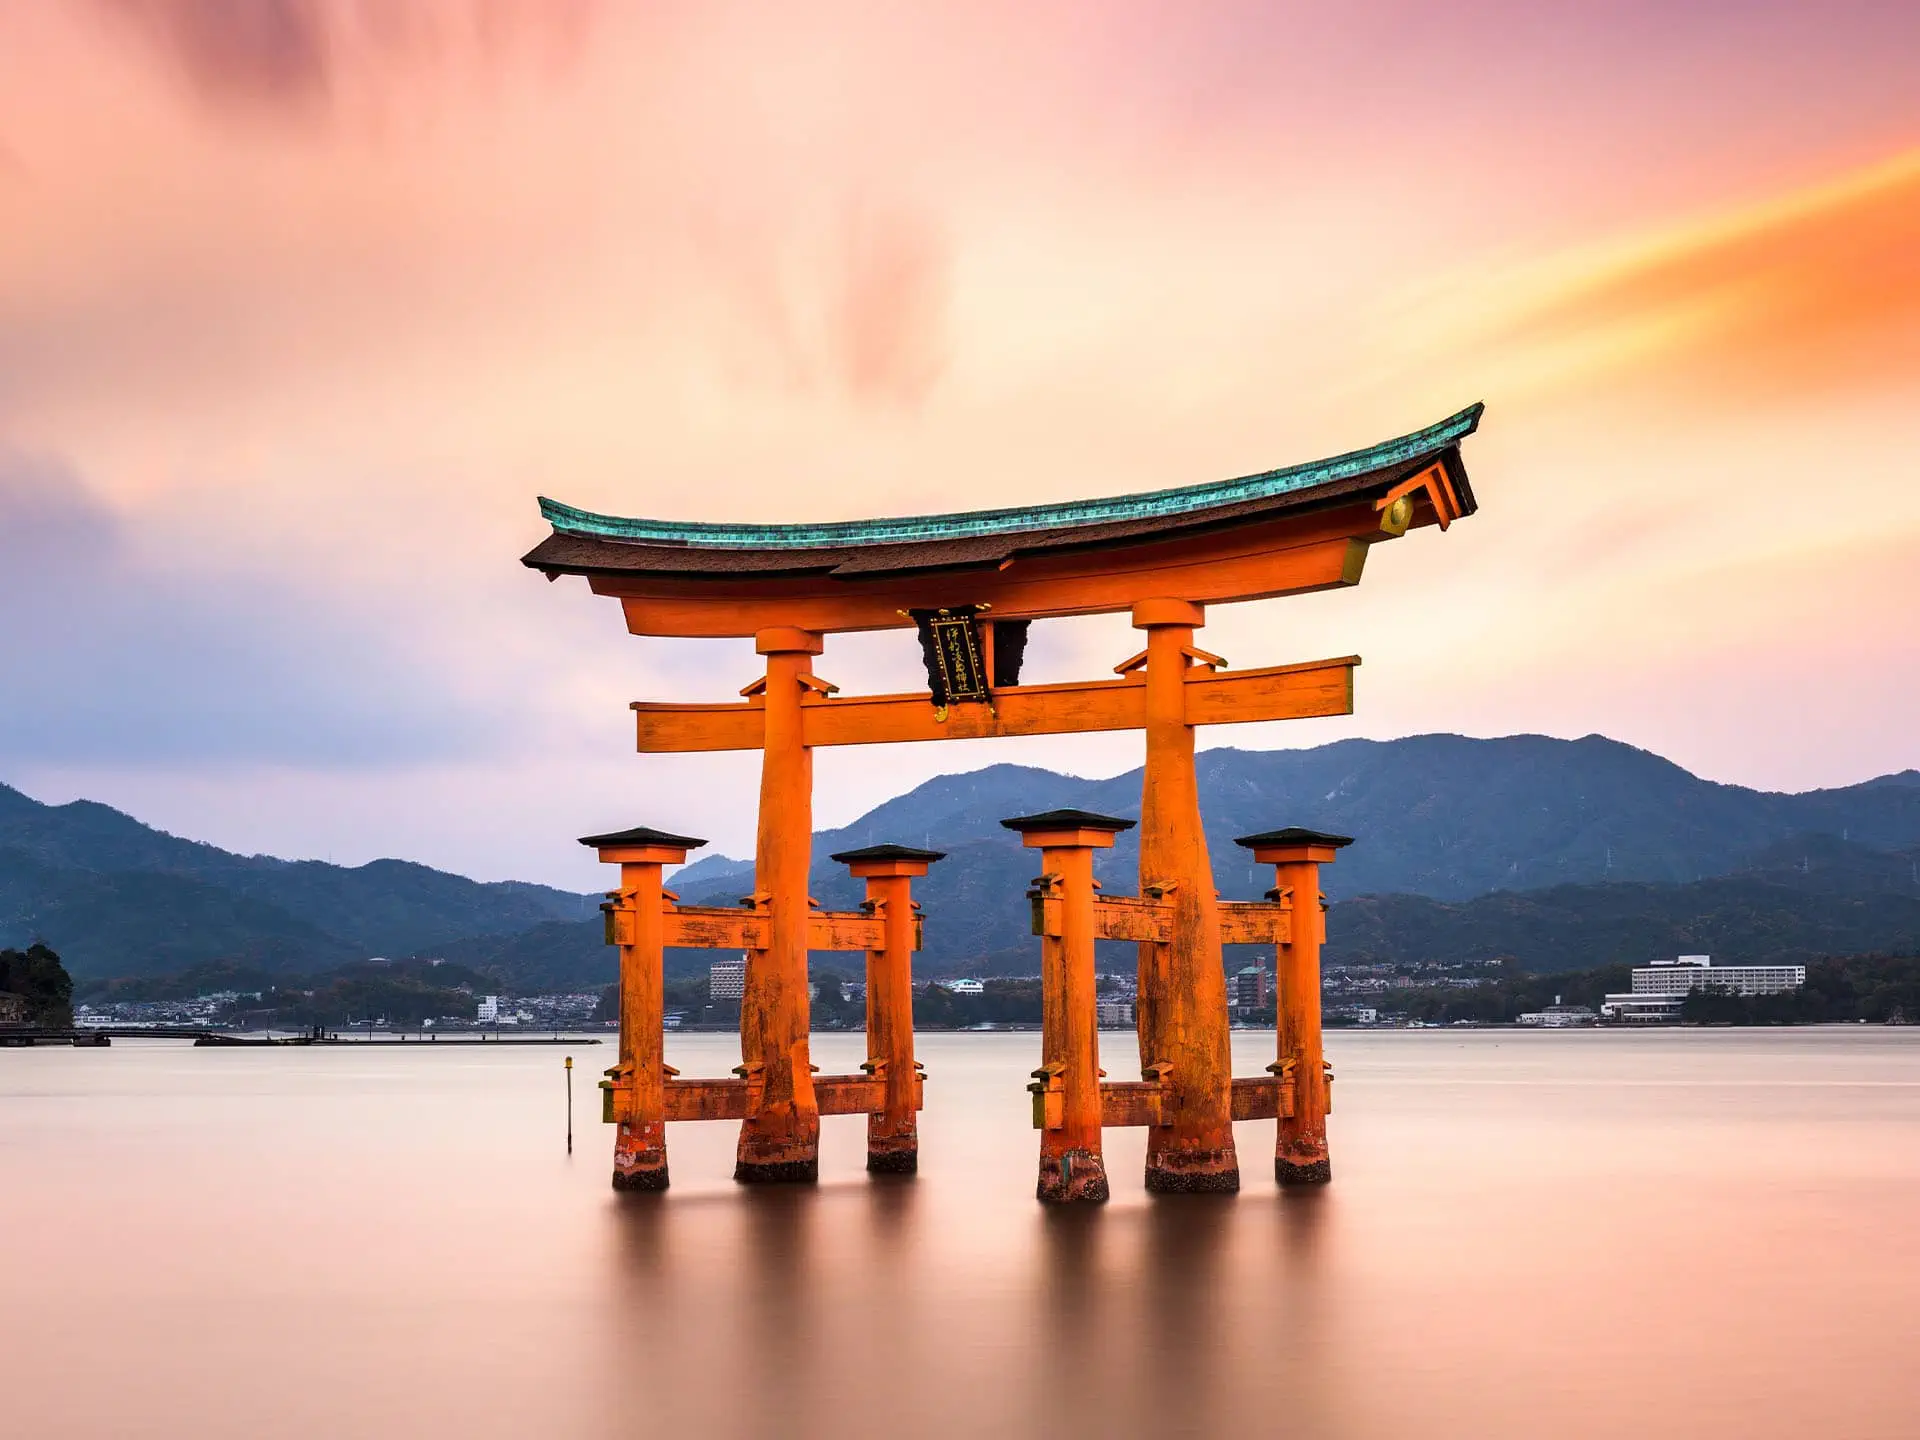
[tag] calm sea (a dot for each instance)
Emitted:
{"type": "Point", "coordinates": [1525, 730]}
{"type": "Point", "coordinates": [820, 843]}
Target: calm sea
{"type": "Point", "coordinates": [1678, 1234]}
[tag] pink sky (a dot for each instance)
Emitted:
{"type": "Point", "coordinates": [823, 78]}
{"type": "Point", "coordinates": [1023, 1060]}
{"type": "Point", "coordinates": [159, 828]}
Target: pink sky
{"type": "Point", "coordinates": [301, 303]}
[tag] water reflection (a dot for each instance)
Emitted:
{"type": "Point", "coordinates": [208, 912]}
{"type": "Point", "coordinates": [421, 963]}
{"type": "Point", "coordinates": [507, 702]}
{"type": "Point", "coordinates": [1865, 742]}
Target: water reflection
{"type": "Point", "coordinates": [1485, 1266]}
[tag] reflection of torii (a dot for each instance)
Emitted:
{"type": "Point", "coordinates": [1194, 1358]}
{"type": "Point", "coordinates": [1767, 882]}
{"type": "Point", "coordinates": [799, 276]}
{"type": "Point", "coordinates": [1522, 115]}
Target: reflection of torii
{"type": "Point", "coordinates": [1162, 556]}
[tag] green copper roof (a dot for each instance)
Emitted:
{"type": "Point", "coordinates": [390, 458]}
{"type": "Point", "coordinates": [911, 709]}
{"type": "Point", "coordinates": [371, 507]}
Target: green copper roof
{"type": "Point", "coordinates": [966, 524]}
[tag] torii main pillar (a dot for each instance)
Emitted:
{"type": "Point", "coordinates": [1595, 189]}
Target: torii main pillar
{"type": "Point", "coordinates": [782, 1140]}
{"type": "Point", "coordinates": [1182, 1006]}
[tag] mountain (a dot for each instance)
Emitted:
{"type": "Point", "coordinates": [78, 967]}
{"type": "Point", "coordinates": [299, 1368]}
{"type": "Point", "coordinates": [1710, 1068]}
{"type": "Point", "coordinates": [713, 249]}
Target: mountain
{"type": "Point", "coordinates": [1803, 898]}
{"type": "Point", "coordinates": [116, 897]}
{"type": "Point", "coordinates": [1440, 819]}
{"type": "Point", "coordinates": [1783, 910]}
{"type": "Point", "coordinates": [1439, 816]}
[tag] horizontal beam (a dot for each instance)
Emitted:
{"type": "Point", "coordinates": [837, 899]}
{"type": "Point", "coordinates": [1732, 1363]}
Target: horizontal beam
{"type": "Point", "coordinates": [1251, 922]}
{"type": "Point", "coordinates": [1124, 917]}
{"type": "Point", "coordinates": [850, 1094]}
{"type": "Point", "coordinates": [842, 930]}
{"type": "Point", "coordinates": [693, 927]}
{"type": "Point", "coordinates": [1296, 556]}
{"type": "Point", "coordinates": [1226, 697]}
{"type": "Point", "coordinates": [702, 928]}
{"type": "Point", "coordinates": [1132, 1102]}
{"type": "Point", "coordinates": [733, 1098]}
{"type": "Point", "coordinates": [1262, 1097]}
{"type": "Point", "coordinates": [708, 1099]}
{"type": "Point", "coordinates": [1142, 1102]}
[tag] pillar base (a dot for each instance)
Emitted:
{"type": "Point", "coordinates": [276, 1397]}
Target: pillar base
{"type": "Point", "coordinates": [777, 1172]}
{"type": "Point", "coordinates": [640, 1159]}
{"type": "Point", "coordinates": [1302, 1172]}
{"type": "Point", "coordinates": [1077, 1175]}
{"type": "Point", "coordinates": [1194, 1172]}
{"type": "Point", "coordinates": [653, 1177]}
{"type": "Point", "coordinates": [894, 1162]}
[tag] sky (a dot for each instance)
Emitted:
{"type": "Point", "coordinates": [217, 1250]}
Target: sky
{"type": "Point", "coordinates": [303, 302]}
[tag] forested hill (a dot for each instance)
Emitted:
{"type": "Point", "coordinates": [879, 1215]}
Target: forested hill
{"type": "Point", "coordinates": [1803, 898]}
{"type": "Point", "coordinates": [116, 897]}
{"type": "Point", "coordinates": [1437, 817]}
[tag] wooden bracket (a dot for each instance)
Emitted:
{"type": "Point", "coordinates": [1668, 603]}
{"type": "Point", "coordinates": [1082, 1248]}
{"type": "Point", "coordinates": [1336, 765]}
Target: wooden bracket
{"type": "Point", "coordinates": [1432, 480]}
{"type": "Point", "coordinates": [1204, 657]}
{"type": "Point", "coordinates": [1049, 1096]}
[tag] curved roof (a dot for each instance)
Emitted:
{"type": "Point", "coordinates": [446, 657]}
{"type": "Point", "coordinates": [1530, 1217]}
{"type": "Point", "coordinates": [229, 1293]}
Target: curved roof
{"type": "Point", "coordinates": [580, 536]}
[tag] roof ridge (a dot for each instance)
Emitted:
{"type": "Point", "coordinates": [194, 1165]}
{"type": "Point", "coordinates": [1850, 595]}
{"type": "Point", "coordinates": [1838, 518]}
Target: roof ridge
{"type": "Point", "coordinates": [1442, 435]}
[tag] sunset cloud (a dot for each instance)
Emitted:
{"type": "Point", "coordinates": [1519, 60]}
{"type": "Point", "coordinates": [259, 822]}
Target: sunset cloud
{"type": "Point", "coordinates": [1817, 288]}
{"type": "Point", "coordinates": [303, 301]}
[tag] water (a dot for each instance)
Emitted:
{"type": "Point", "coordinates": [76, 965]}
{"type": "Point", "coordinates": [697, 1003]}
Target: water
{"type": "Point", "coordinates": [1690, 1234]}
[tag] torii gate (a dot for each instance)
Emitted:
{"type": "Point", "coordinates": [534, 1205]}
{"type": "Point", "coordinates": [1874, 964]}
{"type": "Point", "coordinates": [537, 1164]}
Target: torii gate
{"type": "Point", "coordinates": [971, 583]}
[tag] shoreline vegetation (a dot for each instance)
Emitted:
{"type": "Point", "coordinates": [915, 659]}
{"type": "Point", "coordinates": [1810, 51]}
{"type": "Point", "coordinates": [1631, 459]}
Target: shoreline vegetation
{"type": "Point", "coordinates": [419, 995]}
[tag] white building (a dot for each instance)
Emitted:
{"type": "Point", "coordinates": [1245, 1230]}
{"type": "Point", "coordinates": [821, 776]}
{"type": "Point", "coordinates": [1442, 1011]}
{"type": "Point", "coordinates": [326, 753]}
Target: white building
{"type": "Point", "coordinates": [1684, 974]}
{"type": "Point", "coordinates": [487, 1012]}
{"type": "Point", "coordinates": [1113, 1014]}
{"type": "Point", "coordinates": [1660, 989]}
{"type": "Point", "coordinates": [964, 987]}
{"type": "Point", "coordinates": [1632, 1009]}
{"type": "Point", "coordinates": [1558, 1017]}
{"type": "Point", "coordinates": [727, 979]}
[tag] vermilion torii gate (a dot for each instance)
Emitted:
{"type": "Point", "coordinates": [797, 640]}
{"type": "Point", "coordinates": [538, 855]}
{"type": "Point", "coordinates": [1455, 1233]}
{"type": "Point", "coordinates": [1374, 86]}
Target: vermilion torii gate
{"type": "Point", "coordinates": [972, 583]}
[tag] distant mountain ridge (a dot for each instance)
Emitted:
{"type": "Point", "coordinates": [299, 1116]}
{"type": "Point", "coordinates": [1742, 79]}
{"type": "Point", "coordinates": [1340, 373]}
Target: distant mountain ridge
{"type": "Point", "coordinates": [1437, 815]}
{"type": "Point", "coordinates": [1438, 818]}
{"type": "Point", "coordinates": [117, 897]}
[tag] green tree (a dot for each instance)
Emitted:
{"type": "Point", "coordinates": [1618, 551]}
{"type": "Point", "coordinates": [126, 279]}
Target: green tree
{"type": "Point", "coordinates": [37, 975]}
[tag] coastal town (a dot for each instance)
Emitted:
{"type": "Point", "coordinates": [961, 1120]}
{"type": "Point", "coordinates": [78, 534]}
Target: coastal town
{"type": "Point", "coordinates": [1355, 996]}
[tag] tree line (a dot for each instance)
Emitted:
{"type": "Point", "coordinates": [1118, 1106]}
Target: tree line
{"type": "Point", "coordinates": [36, 975]}
{"type": "Point", "coordinates": [1873, 988]}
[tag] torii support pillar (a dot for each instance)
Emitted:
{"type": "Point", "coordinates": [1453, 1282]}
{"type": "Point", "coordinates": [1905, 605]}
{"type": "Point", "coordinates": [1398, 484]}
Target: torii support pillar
{"type": "Point", "coordinates": [1300, 1149]}
{"type": "Point", "coordinates": [781, 1140]}
{"type": "Point", "coordinates": [1182, 999]}
{"type": "Point", "coordinates": [1066, 1088]}
{"type": "Point", "coordinates": [635, 923]}
{"type": "Point", "coordinates": [893, 1134]}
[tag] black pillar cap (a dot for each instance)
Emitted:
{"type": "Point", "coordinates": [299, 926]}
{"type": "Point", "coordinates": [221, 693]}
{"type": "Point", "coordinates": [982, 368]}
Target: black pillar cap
{"type": "Point", "coordinates": [1294, 835]}
{"type": "Point", "coordinates": [887, 852]}
{"type": "Point", "coordinates": [1068, 820]}
{"type": "Point", "coordinates": [643, 835]}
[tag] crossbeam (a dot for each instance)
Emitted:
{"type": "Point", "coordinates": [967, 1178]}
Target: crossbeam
{"type": "Point", "coordinates": [734, 1098]}
{"type": "Point", "coordinates": [703, 927]}
{"type": "Point", "coordinates": [1145, 1102]}
{"type": "Point", "coordinates": [1254, 922]}
{"type": "Point", "coordinates": [1225, 697]}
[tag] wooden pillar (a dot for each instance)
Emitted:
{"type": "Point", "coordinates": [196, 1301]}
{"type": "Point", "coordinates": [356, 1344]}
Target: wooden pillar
{"type": "Point", "coordinates": [893, 1134]}
{"type": "Point", "coordinates": [782, 1140]}
{"type": "Point", "coordinates": [1300, 1149]}
{"type": "Point", "coordinates": [1182, 1017]}
{"type": "Point", "coordinates": [636, 924]}
{"type": "Point", "coordinates": [1066, 1087]}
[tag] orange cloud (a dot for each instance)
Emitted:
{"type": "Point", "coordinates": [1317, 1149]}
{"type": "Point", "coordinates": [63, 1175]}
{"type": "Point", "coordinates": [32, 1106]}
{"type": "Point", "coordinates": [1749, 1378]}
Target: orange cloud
{"type": "Point", "coordinates": [1817, 289]}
